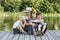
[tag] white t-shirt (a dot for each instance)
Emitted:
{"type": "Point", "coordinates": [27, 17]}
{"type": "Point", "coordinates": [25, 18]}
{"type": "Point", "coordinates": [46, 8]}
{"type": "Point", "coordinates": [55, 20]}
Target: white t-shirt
{"type": "Point", "coordinates": [16, 24]}
{"type": "Point", "coordinates": [42, 21]}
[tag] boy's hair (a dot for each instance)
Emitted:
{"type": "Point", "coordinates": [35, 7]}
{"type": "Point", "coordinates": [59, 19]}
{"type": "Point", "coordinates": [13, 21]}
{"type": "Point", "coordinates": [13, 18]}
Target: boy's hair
{"type": "Point", "coordinates": [38, 14]}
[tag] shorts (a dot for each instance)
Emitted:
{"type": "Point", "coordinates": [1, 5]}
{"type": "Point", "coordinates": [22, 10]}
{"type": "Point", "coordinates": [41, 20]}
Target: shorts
{"type": "Point", "coordinates": [16, 31]}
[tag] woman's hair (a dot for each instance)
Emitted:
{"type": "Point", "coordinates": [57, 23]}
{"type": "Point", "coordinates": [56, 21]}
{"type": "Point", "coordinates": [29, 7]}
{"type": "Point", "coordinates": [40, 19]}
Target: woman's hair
{"type": "Point", "coordinates": [31, 14]}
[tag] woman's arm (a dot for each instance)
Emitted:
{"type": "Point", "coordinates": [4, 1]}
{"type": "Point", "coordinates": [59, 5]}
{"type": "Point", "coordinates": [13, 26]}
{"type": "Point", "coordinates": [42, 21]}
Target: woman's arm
{"type": "Point", "coordinates": [30, 23]}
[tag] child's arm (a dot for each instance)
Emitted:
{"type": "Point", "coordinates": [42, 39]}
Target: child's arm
{"type": "Point", "coordinates": [22, 24]}
{"type": "Point", "coordinates": [35, 21]}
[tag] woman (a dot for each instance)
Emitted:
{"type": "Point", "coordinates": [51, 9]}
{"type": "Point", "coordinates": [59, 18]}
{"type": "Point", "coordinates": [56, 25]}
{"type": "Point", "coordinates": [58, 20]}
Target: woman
{"type": "Point", "coordinates": [28, 16]}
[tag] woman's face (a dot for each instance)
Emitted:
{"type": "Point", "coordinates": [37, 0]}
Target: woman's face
{"type": "Point", "coordinates": [28, 13]}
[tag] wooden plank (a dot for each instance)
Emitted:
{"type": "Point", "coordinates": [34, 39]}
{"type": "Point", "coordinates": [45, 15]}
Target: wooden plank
{"type": "Point", "coordinates": [32, 37]}
{"type": "Point", "coordinates": [16, 37]}
{"type": "Point", "coordinates": [44, 37]}
{"type": "Point", "coordinates": [11, 36]}
{"type": "Point", "coordinates": [57, 33]}
{"type": "Point", "coordinates": [21, 37]}
{"type": "Point", "coordinates": [5, 36]}
{"type": "Point", "coordinates": [2, 34]}
{"type": "Point", "coordinates": [38, 38]}
{"type": "Point", "coordinates": [54, 35]}
{"type": "Point", "coordinates": [27, 37]}
{"type": "Point", "coordinates": [49, 36]}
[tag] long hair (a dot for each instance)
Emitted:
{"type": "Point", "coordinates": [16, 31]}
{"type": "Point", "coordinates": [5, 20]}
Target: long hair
{"type": "Point", "coordinates": [31, 14]}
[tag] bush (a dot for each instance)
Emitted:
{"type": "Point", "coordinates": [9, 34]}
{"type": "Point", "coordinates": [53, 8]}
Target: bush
{"type": "Point", "coordinates": [9, 19]}
{"type": "Point", "coordinates": [44, 6]}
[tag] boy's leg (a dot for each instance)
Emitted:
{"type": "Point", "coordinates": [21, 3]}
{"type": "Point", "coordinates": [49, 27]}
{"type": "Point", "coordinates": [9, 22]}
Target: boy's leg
{"type": "Point", "coordinates": [39, 27]}
{"type": "Point", "coordinates": [39, 32]}
{"type": "Point", "coordinates": [44, 27]}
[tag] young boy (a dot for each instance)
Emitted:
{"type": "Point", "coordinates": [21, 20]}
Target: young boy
{"type": "Point", "coordinates": [37, 23]}
{"type": "Point", "coordinates": [19, 25]}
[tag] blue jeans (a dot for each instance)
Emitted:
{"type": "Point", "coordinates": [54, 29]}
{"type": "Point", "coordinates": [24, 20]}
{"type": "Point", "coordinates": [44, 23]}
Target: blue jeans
{"type": "Point", "coordinates": [30, 29]}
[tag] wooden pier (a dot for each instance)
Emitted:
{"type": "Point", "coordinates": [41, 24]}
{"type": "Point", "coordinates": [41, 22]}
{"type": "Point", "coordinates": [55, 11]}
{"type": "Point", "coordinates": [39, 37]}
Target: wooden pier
{"type": "Point", "coordinates": [49, 35]}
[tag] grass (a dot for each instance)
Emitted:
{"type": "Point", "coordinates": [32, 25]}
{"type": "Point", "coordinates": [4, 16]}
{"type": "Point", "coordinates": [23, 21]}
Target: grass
{"type": "Point", "coordinates": [7, 19]}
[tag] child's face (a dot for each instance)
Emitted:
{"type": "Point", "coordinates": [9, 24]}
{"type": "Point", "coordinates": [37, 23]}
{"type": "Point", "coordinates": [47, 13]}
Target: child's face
{"type": "Point", "coordinates": [22, 20]}
{"type": "Point", "coordinates": [38, 16]}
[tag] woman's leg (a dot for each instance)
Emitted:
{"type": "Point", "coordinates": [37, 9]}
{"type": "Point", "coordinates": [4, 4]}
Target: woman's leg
{"type": "Point", "coordinates": [30, 30]}
{"type": "Point", "coordinates": [34, 31]}
{"type": "Point", "coordinates": [34, 26]}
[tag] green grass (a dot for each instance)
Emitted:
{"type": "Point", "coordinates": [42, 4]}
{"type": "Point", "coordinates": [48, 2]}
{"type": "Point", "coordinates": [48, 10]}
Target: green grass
{"type": "Point", "coordinates": [10, 18]}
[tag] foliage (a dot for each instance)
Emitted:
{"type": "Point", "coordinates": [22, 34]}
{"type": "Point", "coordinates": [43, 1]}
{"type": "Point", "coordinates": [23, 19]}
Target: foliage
{"type": "Point", "coordinates": [44, 6]}
{"type": "Point", "coordinates": [10, 18]}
